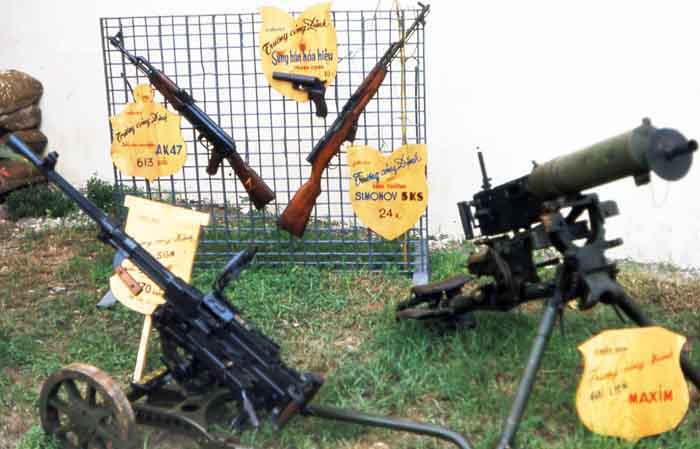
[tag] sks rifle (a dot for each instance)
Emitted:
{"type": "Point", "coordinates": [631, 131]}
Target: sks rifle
{"type": "Point", "coordinates": [530, 213]}
{"type": "Point", "coordinates": [212, 355]}
{"type": "Point", "coordinates": [211, 135]}
{"type": "Point", "coordinates": [296, 215]}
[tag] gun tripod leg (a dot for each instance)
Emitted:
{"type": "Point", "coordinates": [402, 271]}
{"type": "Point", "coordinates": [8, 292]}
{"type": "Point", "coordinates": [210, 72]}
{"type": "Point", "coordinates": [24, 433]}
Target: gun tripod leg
{"type": "Point", "coordinates": [630, 309]}
{"type": "Point", "coordinates": [544, 331]}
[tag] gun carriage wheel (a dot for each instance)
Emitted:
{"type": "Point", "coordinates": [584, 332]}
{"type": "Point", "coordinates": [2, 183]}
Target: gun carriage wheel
{"type": "Point", "coordinates": [85, 408]}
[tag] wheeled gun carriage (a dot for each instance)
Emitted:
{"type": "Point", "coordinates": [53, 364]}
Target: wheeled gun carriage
{"type": "Point", "coordinates": [546, 209]}
{"type": "Point", "coordinates": [218, 367]}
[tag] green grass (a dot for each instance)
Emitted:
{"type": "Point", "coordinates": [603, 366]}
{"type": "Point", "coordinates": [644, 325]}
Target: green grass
{"type": "Point", "coordinates": [324, 242]}
{"type": "Point", "coordinates": [35, 438]}
{"type": "Point", "coordinates": [339, 324]}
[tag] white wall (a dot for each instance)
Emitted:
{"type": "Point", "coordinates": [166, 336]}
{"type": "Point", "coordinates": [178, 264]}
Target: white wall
{"type": "Point", "coordinates": [522, 80]}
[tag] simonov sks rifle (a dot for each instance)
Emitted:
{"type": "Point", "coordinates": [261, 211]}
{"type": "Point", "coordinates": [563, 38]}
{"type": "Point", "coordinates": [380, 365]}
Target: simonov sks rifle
{"type": "Point", "coordinates": [221, 145]}
{"type": "Point", "coordinates": [211, 353]}
{"type": "Point", "coordinates": [547, 209]}
{"type": "Point", "coordinates": [296, 215]}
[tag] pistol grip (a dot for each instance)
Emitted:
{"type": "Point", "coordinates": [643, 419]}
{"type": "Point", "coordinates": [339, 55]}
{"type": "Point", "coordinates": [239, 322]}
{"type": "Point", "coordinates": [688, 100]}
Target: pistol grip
{"type": "Point", "coordinates": [214, 163]}
{"type": "Point", "coordinates": [318, 97]}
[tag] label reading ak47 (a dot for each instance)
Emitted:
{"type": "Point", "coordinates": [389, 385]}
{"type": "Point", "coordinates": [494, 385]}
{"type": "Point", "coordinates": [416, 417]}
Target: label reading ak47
{"type": "Point", "coordinates": [146, 138]}
{"type": "Point", "coordinates": [388, 193]}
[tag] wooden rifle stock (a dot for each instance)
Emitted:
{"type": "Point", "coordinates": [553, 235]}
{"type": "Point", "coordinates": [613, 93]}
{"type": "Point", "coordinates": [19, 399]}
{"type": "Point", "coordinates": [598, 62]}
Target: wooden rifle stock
{"type": "Point", "coordinates": [296, 215]}
{"type": "Point", "coordinates": [259, 193]}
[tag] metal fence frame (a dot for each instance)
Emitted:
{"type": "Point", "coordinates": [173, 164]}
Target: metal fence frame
{"type": "Point", "coordinates": [215, 58]}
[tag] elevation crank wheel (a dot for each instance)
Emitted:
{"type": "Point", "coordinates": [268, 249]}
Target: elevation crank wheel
{"type": "Point", "coordinates": [84, 408]}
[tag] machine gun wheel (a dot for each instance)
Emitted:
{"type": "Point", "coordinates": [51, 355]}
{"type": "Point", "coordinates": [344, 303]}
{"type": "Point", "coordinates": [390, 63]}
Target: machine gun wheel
{"type": "Point", "coordinates": [83, 407]}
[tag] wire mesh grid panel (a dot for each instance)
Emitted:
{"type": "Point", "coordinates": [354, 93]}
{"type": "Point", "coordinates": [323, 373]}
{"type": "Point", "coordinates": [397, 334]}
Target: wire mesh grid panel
{"type": "Point", "coordinates": [215, 58]}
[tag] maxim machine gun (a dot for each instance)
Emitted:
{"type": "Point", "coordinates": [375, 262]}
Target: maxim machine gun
{"type": "Point", "coordinates": [546, 209]}
{"type": "Point", "coordinates": [218, 367]}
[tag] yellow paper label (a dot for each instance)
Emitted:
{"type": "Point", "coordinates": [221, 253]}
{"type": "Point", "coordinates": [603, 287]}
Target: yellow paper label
{"type": "Point", "coordinates": [306, 45]}
{"type": "Point", "coordinates": [146, 138]}
{"type": "Point", "coordinates": [632, 385]}
{"type": "Point", "coordinates": [388, 193]}
{"type": "Point", "coordinates": [168, 233]}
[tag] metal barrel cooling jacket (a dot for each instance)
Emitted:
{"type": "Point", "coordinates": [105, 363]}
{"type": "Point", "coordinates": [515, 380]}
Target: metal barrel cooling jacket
{"type": "Point", "coordinates": [666, 152]}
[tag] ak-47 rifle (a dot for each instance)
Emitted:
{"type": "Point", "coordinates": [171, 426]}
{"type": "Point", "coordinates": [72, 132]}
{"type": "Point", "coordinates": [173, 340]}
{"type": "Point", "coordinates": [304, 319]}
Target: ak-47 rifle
{"type": "Point", "coordinates": [211, 135]}
{"type": "Point", "coordinates": [296, 215]}
{"type": "Point", "coordinates": [546, 209]}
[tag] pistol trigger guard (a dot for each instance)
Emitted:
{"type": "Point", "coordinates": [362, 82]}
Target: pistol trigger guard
{"type": "Point", "coordinates": [202, 139]}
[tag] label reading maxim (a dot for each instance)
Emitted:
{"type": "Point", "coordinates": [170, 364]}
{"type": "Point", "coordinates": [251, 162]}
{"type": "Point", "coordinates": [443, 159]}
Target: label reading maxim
{"type": "Point", "coordinates": [632, 385]}
{"type": "Point", "coordinates": [303, 46]}
{"type": "Point", "coordinates": [170, 234]}
{"type": "Point", "coordinates": [146, 138]}
{"type": "Point", "coordinates": [388, 193]}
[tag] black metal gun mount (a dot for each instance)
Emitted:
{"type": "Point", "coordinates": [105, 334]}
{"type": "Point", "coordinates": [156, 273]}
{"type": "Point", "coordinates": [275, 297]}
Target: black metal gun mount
{"type": "Point", "coordinates": [546, 209]}
{"type": "Point", "coordinates": [213, 358]}
{"type": "Point", "coordinates": [312, 85]}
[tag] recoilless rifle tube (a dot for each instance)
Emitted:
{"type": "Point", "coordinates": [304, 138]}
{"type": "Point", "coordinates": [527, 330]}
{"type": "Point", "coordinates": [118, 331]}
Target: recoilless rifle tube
{"type": "Point", "coordinates": [636, 153]}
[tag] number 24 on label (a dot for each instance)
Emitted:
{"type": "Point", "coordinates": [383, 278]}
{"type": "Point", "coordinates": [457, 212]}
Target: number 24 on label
{"type": "Point", "coordinates": [387, 213]}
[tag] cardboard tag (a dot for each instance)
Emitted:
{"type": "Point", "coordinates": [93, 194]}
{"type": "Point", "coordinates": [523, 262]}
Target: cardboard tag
{"type": "Point", "coordinates": [306, 45]}
{"type": "Point", "coordinates": [632, 385]}
{"type": "Point", "coordinates": [168, 233]}
{"type": "Point", "coordinates": [146, 138]}
{"type": "Point", "coordinates": [388, 193]}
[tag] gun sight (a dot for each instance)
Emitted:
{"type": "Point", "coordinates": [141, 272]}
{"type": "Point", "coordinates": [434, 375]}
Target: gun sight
{"type": "Point", "coordinates": [142, 64]}
{"type": "Point", "coordinates": [486, 180]}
